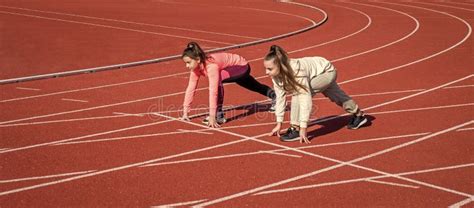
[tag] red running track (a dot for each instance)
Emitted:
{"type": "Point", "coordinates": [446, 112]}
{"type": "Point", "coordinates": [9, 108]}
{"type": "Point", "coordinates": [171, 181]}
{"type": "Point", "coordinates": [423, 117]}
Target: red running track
{"type": "Point", "coordinates": [408, 64]}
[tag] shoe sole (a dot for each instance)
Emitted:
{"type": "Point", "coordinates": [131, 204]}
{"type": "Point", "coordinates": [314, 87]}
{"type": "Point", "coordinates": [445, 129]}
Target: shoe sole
{"type": "Point", "coordinates": [360, 124]}
{"type": "Point", "coordinates": [290, 140]}
{"type": "Point", "coordinates": [220, 123]}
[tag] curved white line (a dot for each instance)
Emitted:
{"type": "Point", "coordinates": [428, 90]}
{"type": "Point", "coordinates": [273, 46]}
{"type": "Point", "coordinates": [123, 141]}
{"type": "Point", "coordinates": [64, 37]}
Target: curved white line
{"type": "Point", "coordinates": [442, 5]}
{"type": "Point", "coordinates": [105, 171]}
{"type": "Point", "coordinates": [372, 155]}
{"type": "Point", "coordinates": [387, 45]}
{"type": "Point", "coordinates": [182, 73]}
{"type": "Point", "coordinates": [369, 22]}
{"type": "Point", "coordinates": [425, 58]}
{"type": "Point", "coordinates": [459, 3]}
{"type": "Point", "coordinates": [87, 136]}
{"type": "Point", "coordinates": [44, 177]}
{"type": "Point", "coordinates": [129, 22]}
{"type": "Point", "coordinates": [365, 178]}
{"type": "Point", "coordinates": [145, 99]}
{"type": "Point", "coordinates": [149, 61]}
{"type": "Point", "coordinates": [110, 27]}
{"type": "Point", "coordinates": [463, 202]}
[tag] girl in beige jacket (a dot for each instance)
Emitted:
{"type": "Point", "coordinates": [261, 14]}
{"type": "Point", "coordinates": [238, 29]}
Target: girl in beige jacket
{"type": "Point", "coordinates": [303, 78]}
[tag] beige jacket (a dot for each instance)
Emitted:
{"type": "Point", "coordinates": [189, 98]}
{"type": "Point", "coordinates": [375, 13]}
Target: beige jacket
{"type": "Point", "coordinates": [305, 69]}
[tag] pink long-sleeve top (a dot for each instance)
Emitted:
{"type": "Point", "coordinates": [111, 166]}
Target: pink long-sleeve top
{"type": "Point", "coordinates": [219, 66]}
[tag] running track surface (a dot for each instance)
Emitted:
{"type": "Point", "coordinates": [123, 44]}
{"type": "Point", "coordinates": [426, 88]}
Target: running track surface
{"type": "Point", "coordinates": [112, 138]}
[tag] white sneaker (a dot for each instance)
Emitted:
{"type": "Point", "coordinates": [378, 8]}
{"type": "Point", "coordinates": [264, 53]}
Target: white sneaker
{"type": "Point", "coordinates": [272, 108]}
{"type": "Point", "coordinates": [220, 119]}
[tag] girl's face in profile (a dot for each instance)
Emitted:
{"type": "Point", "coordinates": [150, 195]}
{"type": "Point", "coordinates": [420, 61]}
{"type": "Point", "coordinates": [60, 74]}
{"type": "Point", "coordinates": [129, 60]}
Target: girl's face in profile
{"type": "Point", "coordinates": [271, 69]}
{"type": "Point", "coordinates": [190, 63]}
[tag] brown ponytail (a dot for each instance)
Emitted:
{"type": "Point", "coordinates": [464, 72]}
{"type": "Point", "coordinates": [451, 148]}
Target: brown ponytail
{"type": "Point", "coordinates": [194, 51]}
{"type": "Point", "coordinates": [286, 75]}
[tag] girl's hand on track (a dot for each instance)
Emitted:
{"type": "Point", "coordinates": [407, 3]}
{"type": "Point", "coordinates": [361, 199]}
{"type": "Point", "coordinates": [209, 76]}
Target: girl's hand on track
{"type": "Point", "coordinates": [304, 136]}
{"type": "Point", "coordinates": [213, 123]}
{"type": "Point", "coordinates": [185, 118]}
{"type": "Point", "coordinates": [276, 130]}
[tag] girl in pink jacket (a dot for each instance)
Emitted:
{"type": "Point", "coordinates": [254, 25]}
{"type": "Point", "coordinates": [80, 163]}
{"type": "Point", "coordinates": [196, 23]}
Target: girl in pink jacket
{"type": "Point", "coordinates": [219, 68]}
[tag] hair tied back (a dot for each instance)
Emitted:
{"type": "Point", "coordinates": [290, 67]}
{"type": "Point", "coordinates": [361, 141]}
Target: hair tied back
{"type": "Point", "coordinates": [273, 48]}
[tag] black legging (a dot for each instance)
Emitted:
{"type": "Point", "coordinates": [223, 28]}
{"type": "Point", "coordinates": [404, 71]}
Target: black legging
{"type": "Point", "coordinates": [248, 82]}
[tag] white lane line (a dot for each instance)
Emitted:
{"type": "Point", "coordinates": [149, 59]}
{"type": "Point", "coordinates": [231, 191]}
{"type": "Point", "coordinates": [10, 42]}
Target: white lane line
{"type": "Point", "coordinates": [282, 154]}
{"type": "Point", "coordinates": [341, 164]}
{"type": "Point", "coordinates": [130, 22]}
{"type": "Point", "coordinates": [184, 72]}
{"type": "Point", "coordinates": [202, 159]}
{"type": "Point", "coordinates": [460, 86]}
{"type": "Point", "coordinates": [403, 98]}
{"type": "Point", "coordinates": [363, 179]}
{"type": "Point", "coordinates": [466, 4]}
{"type": "Point", "coordinates": [64, 121]}
{"type": "Point", "coordinates": [194, 109]}
{"type": "Point", "coordinates": [387, 93]}
{"type": "Point", "coordinates": [422, 109]}
{"type": "Point", "coordinates": [116, 84]}
{"type": "Point", "coordinates": [241, 126]}
{"type": "Point", "coordinates": [97, 107]}
{"type": "Point", "coordinates": [70, 140]}
{"type": "Point", "coordinates": [441, 5]}
{"type": "Point", "coordinates": [83, 137]}
{"type": "Point", "coordinates": [74, 100]}
{"type": "Point", "coordinates": [258, 124]}
{"type": "Point", "coordinates": [122, 167]}
{"type": "Point", "coordinates": [1, 149]}
{"type": "Point", "coordinates": [468, 34]}
{"type": "Point", "coordinates": [45, 177]}
{"type": "Point", "coordinates": [116, 28]}
{"type": "Point", "coordinates": [115, 138]}
{"type": "Point", "coordinates": [391, 183]}
{"type": "Point", "coordinates": [360, 141]}
{"type": "Point", "coordinates": [282, 150]}
{"type": "Point", "coordinates": [133, 82]}
{"type": "Point", "coordinates": [93, 108]}
{"type": "Point", "coordinates": [369, 23]}
{"type": "Point", "coordinates": [466, 129]}
{"type": "Point", "coordinates": [127, 114]}
{"type": "Point", "coordinates": [179, 204]}
{"type": "Point", "coordinates": [94, 88]}
{"type": "Point", "coordinates": [392, 43]}
{"type": "Point", "coordinates": [191, 131]}
{"type": "Point", "coordinates": [243, 138]}
{"type": "Point", "coordinates": [174, 57]}
{"type": "Point", "coordinates": [462, 203]}
{"type": "Point", "coordinates": [248, 125]}
{"type": "Point", "coordinates": [71, 179]}
{"type": "Point", "coordinates": [381, 47]}
{"type": "Point", "coordinates": [157, 134]}
{"type": "Point", "coordinates": [420, 93]}
{"type": "Point", "coordinates": [220, 157]}
{"type": "Point", "coordinates": [27, 88]}
{"type": "Point", "coordinates": [350, 163]}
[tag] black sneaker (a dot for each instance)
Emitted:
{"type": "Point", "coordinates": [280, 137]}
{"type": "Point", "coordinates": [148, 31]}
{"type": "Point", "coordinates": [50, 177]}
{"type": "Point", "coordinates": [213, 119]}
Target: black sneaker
{"type": "Point", "coordinates": [291, 135]}
{"type": "Point", "coordinates": [356, 122]}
